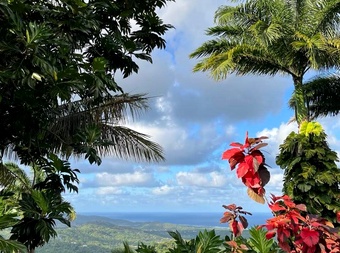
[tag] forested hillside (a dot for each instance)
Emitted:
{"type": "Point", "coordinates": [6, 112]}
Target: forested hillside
{"type": "Point", "coordinates": [90, 234]}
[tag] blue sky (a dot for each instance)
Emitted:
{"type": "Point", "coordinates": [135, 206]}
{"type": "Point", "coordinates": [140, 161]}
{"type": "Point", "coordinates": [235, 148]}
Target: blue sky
{"type": "Point", "coordinates": [194, 119]}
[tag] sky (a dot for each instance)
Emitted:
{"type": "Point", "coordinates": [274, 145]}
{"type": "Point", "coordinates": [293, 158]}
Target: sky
{"type": "Point", "coordinates": [194, 119]}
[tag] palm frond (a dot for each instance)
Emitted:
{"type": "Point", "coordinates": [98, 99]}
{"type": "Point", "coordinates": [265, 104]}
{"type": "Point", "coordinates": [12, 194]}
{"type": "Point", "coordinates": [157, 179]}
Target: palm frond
{"type": "Point", "coordinates": [13, 177]}
{"type": "Point", "coordinates": [126, 143]}
{"type": "Point", "coordinates": [323, 95]}
{"type": "Point", "coordinates": [106, 117]}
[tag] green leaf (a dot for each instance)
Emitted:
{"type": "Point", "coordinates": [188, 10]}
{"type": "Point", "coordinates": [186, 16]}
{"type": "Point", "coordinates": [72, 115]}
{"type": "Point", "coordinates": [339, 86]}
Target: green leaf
{"type": "Point", "coordinates": [259, 242]}
{"type": "Point", "coordinates": [304, 187]}
{"type": "Point", "coordinates": [10, 246]}
{"type": "Point", "coordinates": [99, 64]}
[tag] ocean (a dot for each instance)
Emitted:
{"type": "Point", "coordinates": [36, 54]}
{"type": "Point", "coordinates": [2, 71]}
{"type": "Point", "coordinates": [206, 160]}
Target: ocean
{"type": "Point", "coordinates": [192, 219]}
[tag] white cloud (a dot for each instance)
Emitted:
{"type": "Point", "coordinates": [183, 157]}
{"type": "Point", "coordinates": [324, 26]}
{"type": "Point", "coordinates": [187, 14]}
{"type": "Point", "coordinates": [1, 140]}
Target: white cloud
{"type": "Point", "coordinates": [109, 190]}
{"type": "Point", "coordinates": [213, 179]}
{"type": "Point", "coordinates": [126, 179]}
{"type": "Point", "coordinates": [163, 190]}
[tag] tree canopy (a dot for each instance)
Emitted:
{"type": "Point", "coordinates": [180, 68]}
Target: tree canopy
{"type": "Point", "coordinates": [269, 37]}
{"type": "Point", "coordinates": [57, 76]}
{"type": "Point", "coordinates": [59, 97]}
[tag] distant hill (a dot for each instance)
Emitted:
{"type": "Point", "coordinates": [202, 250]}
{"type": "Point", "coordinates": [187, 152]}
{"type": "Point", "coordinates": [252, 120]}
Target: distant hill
{"type": "Point", "coordinates": [97, 234]}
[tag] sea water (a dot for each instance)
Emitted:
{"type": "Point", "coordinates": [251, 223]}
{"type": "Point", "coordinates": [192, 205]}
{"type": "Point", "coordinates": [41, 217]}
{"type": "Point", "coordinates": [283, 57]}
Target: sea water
{"type": "Point", "coordinates": [193, 219]}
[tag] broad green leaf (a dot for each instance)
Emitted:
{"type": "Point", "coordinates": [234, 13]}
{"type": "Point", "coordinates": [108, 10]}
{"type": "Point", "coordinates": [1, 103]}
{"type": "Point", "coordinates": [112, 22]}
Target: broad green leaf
{"type": "Point", "coordinates": [99, 64]}
{"type": "Point", "coordinates": [10, 246]}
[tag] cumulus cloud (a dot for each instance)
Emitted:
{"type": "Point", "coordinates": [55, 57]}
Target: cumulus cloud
{"type": "Point", "coordinates": [212, 179]}
{"type": "Point", "coordinates": [163, 190]}
{"type": "Point", "coordinates": [136, 179]}
{"type": "Point", "coordinates": [109, 190]}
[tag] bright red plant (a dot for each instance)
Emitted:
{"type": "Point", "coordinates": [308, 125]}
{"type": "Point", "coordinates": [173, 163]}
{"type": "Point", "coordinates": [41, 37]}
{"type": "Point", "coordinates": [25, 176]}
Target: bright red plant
{"type": "Point", "coordinates": [298, 232]}
{"type": "Point", "coordinates": [231, 216]}
{"type": "Point", "coordinates": [250, 164]}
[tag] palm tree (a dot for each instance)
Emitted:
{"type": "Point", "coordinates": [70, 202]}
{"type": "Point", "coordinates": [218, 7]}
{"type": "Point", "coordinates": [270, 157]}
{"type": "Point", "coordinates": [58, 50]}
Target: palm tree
{"type": "Point", "coordinates": [37, 201]}
{"type": "Point", "coordinates": [95, 129]}
{"type": "Point", "coordinates": [322, 96]}
{"type": "Point", "coordinates": [269, 37]}
{"type": "Point", "coordinates": [57, 77]}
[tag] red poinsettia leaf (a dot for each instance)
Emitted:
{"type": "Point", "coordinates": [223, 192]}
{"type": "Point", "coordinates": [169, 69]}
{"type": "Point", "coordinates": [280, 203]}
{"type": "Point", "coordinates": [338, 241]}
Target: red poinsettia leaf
{"type": "Point", "coordinates": [246, 141]}
{"type": "Point", "coordinates": [312, 249]}
{"type": "Point", "coordinates": [230, 207]}
{"type": "Point", "coordinates": [270, 234]}
{"type": "Point", "coordinates": [309, 237]}
{"type": "Point", "coordinates": [251, 180]}
{"type": "Point", "coordinates": [232, 163]}
{"type": "Point", "coordinates": [254, 196]}
{"type": "Point", "coordinates": [240, 228]}
{"type": "Point", "coordinates": [234, 227]}
{"type": "Point", "coordinates": [264, 175]}
{"type": "Point", "coordinates": [235, 159]}
{"type": "Point", "coordinates": [261, 191]}
{"type": "Point", "coordinates": [329, 243]}
{"type": "Point", "coordinates": [242, 169]}
{"type": "Point", "coordinates": [322, 248]}
{"type": "Point", "coordinates": [275, 198]}
{"type": "Point", "coordinates": [258, 155]}
{"type": "Point", "coordinates": [285, 246]}
{"type": "Point", "coordinates": [245, 212]}
{"type": "Point", "coordinates": [258, 146]}
{"type": "Point", "coordinates": [236, 144]}
{"type": "Point", "coordinates": [249, 159]}
{"type": "Point", "coordinates": [288, 201]}
{"type": "Point", "coordinates": [230, 153]}
{"type": "Point", "coordinates": [301, 207]}
{"type": "Point", "coordinates": [276, 207]}
{"type": "Point", "coordinates": [256, 140]}
{"type": "Point", "coordinates": [244, 221]}
{"type": "Point", "coordinates": [255, 164]}
{"type": "Point", "coordinates": [232, 244]}
{"type": "Point", "coordinates": [227, 216]}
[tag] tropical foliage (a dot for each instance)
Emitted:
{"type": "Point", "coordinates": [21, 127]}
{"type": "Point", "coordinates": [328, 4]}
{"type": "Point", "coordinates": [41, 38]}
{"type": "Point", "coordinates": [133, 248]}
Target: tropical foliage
{"type": "Point", "coordinates": [57, 81]}
{"type": "Point", "coordinates": [251, 165]}
{"type": "Point", "coordinates": [235, 212]}
{"type": "Point", "coordinates": [295, 228]}
{"type": "Point", "coordinates": [36, 201]}
{"type": "Point", "coordinates": [322, 96]}
{"type": "Point", "coordinates": [298, 232]}
{"type": "Point", "coordinates": [59, 97]}
{"type": "Point", "coordinates": [269, 37]}
{"type": "Point", "coordinates": [311, 175]}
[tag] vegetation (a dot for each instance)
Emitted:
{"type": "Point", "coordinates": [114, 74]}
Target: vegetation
{"type": "Point", "coordinates": [296, 230]}
{"type": "Point", "coordinates": [58, 92]}
{"type": "Point", "coordinates": [59, 97]}
{"type": "Point", "coordinates": [311, 175]}
{"type": "Point", "coordinates": [250, 164]}
{"type": "Point", "coordinates": [269, 37]}
{"type": "Point", "coordinates": [102, 235]}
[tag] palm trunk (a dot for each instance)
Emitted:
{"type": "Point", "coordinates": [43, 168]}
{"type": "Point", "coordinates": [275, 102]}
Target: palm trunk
{"type": "Point", "coordinates": [301, 110]}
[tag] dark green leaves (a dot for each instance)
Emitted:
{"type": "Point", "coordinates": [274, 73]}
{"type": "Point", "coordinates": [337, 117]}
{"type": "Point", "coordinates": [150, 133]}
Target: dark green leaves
{"type": "Point", "coordinates": [56, 53]}
{"type": "Point", "coordinates": [311, 175]}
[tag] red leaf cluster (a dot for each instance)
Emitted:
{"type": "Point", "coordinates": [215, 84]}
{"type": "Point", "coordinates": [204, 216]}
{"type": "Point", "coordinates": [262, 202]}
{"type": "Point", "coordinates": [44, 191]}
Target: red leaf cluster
{"type": "Point", "coordinates": [231, 216]}
{"type": "Point", "coordinates": [299, 233]}
{"type": "Point", "coordinates": [250, 164]}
